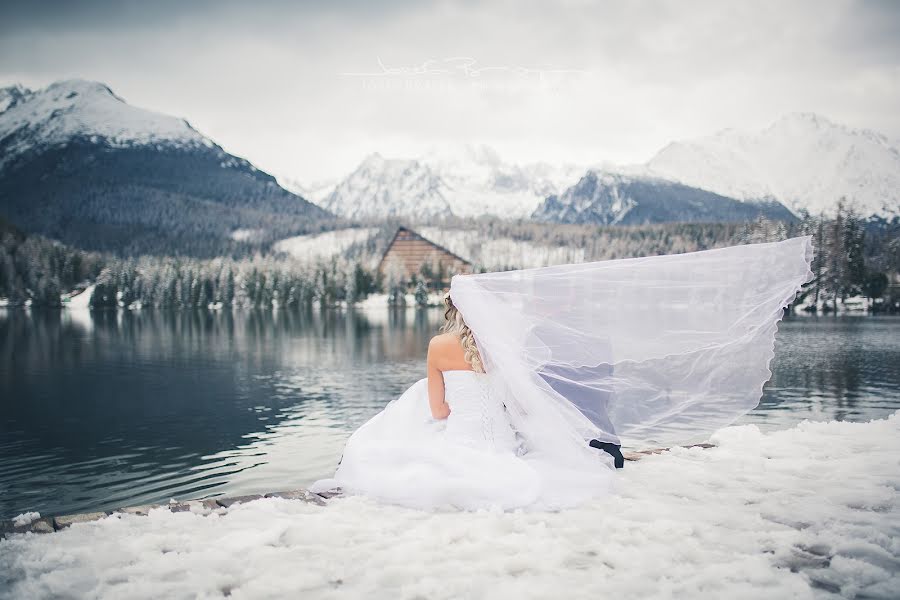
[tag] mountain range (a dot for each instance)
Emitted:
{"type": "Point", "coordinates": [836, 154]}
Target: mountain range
{"type": "Point", "coordinates": [610, 198]}
{"type": "Point", "coordinates": [463, 181]}
{"type": "Point", "coordinates": [802, 162]}
{"type": "Point", "coordinates": [79, 164]}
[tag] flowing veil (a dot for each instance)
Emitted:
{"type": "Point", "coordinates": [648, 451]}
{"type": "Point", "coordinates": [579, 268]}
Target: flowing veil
{"type": "Point", "coordinates": [644, 351]}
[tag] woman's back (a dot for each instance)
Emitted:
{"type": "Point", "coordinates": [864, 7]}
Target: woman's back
{"type": "Point", "coordinates": [476, 418]}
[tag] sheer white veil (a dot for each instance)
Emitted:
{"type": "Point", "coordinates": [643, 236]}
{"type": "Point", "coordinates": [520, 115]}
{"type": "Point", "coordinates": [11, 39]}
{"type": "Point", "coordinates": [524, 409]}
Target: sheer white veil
{"type": "Point", "coordinates": [648, 351]}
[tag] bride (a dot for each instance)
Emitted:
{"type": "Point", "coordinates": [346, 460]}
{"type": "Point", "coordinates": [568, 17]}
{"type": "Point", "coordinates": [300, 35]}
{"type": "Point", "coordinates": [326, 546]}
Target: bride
{"type": "Point", "coordinates": [539, 375]}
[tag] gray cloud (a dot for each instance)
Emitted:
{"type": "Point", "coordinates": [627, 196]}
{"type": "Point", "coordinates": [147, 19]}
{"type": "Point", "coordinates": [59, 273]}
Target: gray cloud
{"type": "Point", "coordinates": [578, 81]}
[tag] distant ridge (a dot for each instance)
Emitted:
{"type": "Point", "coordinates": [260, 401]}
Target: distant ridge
{"type": "Point", "coordinates": [803, 160]}
{"type": "Point", "coordinates": [81, 165]}
{"type": "Point", "coordinates": [461, 181]}
{"type": "Point", "coordinates": [609, 198]}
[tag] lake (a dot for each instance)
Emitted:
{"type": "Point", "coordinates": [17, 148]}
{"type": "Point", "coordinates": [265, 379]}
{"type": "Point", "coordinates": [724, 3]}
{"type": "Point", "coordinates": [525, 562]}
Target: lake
{"type": "Point", "coordinates": [107, 409]}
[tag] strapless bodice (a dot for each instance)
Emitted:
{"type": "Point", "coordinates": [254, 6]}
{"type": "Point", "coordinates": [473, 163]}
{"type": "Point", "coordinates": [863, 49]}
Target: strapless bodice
{"type": "Point", "coordinates": [477, 417]}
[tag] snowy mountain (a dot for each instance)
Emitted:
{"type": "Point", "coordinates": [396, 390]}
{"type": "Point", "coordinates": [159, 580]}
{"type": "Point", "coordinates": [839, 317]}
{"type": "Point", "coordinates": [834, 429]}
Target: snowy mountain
{"type": "Point", "coordinates": [316, 192]}
{"type": "Point", "coordinates": [803, 160]}
{"type": "Point", "coordinates": [384, 188]}
{"type": "Point", "coordinates": [466, 181]}
{"type": "Point", "coordinates": [481, 182]}
{"type": "Point", "coordinates": [79, 164]}
{"type": "Point", "coordinates": [611, 198]}
{"type": "Point", "coordinates": [68, 110]}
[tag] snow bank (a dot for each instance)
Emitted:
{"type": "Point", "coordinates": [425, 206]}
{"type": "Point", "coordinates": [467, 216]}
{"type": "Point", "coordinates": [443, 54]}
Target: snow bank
{"type": "Point", "coordinates": [319, 246]}
{"type": "Point", "coordinates": [380, 302]}
{"type": "Point", "coordinates": [806, 512]}
{"type": "Point", "coordinates": [83, 300]}
{"type": "Point", "coordinates": [374, 302]}
{"type": "Point", "coordinates": [26, 518]}
{"type": "Point", "coordinates": [501, 252]}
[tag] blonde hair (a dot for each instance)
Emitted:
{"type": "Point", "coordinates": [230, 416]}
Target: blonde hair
{"type": "Point", "coordinates": [456, 325]}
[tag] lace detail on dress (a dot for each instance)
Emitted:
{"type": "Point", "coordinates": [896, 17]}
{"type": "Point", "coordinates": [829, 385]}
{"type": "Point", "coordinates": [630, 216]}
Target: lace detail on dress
{"type": "Point", "coordinates": [476, 418]}
{"type": "Point", "coordinates": [487, 424]}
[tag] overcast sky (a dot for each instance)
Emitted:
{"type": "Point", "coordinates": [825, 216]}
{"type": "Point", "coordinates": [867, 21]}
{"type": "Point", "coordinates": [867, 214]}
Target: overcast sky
{"type": "Point", "coordinates": [307, 89]}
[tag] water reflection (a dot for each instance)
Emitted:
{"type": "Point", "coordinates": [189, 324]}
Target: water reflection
{"type": "Point", "coordinates": [140, 407]}
{"type": "Point", "coordinates": [832, 368]}
{"type": "Point", "coordinates": [106, 409]}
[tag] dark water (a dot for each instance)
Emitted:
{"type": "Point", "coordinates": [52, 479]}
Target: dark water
{"type": "Point", "coordinates": [108, 409]}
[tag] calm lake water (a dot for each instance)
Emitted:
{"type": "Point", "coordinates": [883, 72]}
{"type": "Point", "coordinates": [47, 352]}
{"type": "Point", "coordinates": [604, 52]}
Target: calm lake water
{"type": "Point", "coordinates": [108, 409]}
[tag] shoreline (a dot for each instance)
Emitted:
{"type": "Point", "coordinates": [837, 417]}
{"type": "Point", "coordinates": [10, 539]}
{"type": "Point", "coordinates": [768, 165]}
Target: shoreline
{"type": "Point", "coordinates": [51, 524]}
{"type": "Point", "coordinates": [41, 524]}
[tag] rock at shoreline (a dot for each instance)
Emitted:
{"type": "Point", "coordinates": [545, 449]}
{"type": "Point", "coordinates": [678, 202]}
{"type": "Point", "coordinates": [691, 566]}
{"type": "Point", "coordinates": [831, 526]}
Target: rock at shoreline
{"type": "Point", "coordinates": [41, 525]}
{"type": "Point", "coordinates": [304, 495]}
{"type": "Point", "coordinates": [30, 521]}
{"type": "Point", "coordinates": [67, 520]}
{"type": "Point", "coordinates": [195, 506]}
{"type": "Point", "coordinates": [227, 502]}
{"type": "Point", "coordinates": [142, 510]}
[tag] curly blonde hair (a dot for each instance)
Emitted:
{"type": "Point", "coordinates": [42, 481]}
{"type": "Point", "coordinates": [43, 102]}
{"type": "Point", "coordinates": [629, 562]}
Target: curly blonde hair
{"type": "Point", "coordinates": [457, 326]}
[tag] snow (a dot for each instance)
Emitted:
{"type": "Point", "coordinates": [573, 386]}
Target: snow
{"type": "Point", "coordinates": [377, 302]}
{"type": "Point", "coordinates": [381, 188]}
{"type": "Point", "coordinates": [315, 192]}
{"type": "Point", "coordinates": [465, 181]}
{"type": "Point", "coordinates": [480, 182]}
{"type": "Point", "coordinates": [501, 252]}
{"type": "Point", "coordinates": [86, 109]}
{"type": "Point", "coordinates": [803, 160]}
{"type": "Point", "coordinates": [26, 518]}
{"type": "Point", "coordinates": [245, 235]}
{"type": "Point", "coordinates": [314, 247]}
{"type": "Point", "coordinates": [83, 300]}
{"type": "Point", "coordinates": [850, 304]}
{"type": "Point", "coordinates": [495, 253]}
{"type": "Point", "coordinates": [806, 512]}
{"type": "Point", "coordinates": [11, 95]}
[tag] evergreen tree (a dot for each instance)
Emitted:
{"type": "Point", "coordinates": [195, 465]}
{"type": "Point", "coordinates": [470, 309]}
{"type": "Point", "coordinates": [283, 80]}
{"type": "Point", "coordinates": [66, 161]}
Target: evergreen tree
{"type": "Point", "coordinates": [421, 294]}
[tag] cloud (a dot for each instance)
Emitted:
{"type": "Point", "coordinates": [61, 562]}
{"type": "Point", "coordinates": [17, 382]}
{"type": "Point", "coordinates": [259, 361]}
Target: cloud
{"type": "Point", "coordinates": [279, 83]}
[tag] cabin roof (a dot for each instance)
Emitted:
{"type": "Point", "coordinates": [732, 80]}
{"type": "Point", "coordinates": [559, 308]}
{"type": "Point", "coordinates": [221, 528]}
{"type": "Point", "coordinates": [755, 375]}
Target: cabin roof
{"type": "Point", "coordinates": [420, 237]}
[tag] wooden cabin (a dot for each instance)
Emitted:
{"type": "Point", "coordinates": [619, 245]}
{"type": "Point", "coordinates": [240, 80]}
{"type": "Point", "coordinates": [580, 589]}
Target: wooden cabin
{"type": "Point", "coordinates": [411, 254]}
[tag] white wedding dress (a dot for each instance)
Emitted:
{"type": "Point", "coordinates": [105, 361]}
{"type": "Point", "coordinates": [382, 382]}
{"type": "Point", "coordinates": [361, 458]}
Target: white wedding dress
{"type": "Point", "coordinates": [472, 459]}
{"type": "Point", "coordinates": [643, 352]}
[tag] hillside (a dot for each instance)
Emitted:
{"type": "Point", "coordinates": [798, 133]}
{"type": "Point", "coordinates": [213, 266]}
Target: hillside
{"type": "Point", "coordinates": [606, 198]}
{"type": "Point", "coordinates": [82, 166]}
{"type": "Point", "coordinates": [803, 160]}
{"type": "Point", "coordinates": [459, 181]}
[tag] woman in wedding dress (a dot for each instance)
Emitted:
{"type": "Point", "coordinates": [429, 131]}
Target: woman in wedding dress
{"type": "Point", "coordinates": [538, 368]}
{"type": "Point", "coordinates": [448, 441]}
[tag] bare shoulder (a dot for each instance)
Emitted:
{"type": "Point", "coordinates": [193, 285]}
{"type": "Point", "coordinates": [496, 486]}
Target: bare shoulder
{"type": "Point", "coordinates": [446, 352]}
{"type": "Point", "coordinates": [443, 342]}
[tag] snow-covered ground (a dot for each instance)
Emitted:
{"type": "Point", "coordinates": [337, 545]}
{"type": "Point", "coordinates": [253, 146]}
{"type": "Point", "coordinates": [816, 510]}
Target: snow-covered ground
{"type": "Point", "coordinates": [496, 253]}
{"type": "Point", "coordinates": [323, 245]}
{"type": "Point", "coordinates": [380, 302]}
{"type": "Point", "coordinates": [807, 512]}
{"type": "Point", "coordinates": [81, 300]}
{"type": "Point", "coordinates": [501, 252]}
{"type": "Point", "coordinates": [853, 304]}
